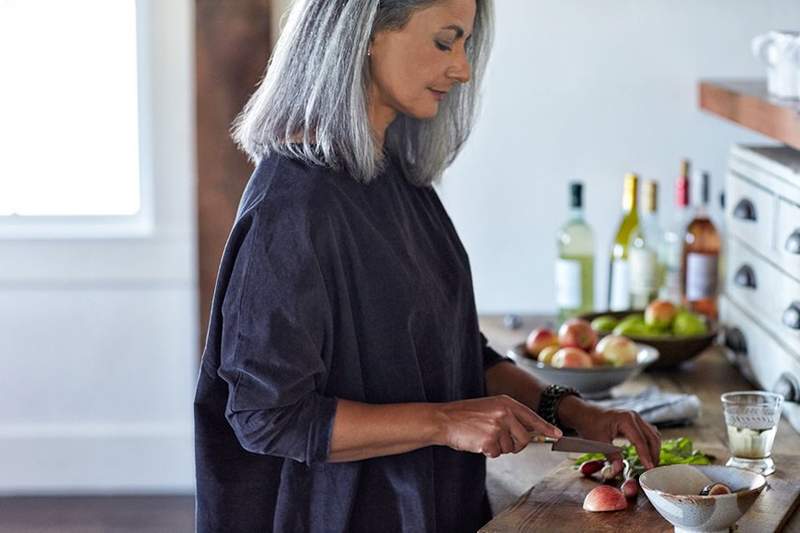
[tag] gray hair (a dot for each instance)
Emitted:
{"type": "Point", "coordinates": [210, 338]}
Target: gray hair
{"type": "Point", "coordinates": [315, 91]}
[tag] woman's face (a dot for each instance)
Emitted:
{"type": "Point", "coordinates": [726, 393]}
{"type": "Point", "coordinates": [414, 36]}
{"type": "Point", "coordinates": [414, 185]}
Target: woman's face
{"type": "Point", "coordinates": [413, 68]}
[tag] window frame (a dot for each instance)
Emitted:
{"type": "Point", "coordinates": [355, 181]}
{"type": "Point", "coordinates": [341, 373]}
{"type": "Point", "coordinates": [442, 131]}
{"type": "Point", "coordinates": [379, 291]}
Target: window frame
{"type": "Point", "coordinates": [160, 249]}
{"type": "Point", "coordinates": [141, 224]}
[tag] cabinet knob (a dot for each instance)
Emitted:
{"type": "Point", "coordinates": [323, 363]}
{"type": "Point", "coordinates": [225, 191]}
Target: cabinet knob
{"type": "Point", "coordinates": [788, 386]}
{"type": "Point", "coordinates": [735, 341]}
{"type": "Point", "coordinates": [793, 242]}
{"type": "Point", "coordinates": [745, 210]}
{"type": "Point", "coordinates": [791, 317]}
{"type": "Point", "coordinates": [745, 277]}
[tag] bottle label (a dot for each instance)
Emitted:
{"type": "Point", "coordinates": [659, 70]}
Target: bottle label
{"type": "Point", "coordinates": [643, 265]}
{"type": "Point", "coordinates": [620, 286]}
{"type": "Point", "coordinates": [701, 276]}
{"type": "Point", "coordinates": [672, 286]}
{"type": "Point", "coordinates": [568, 284]}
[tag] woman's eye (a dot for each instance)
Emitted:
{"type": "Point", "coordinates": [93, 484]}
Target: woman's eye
{"type": "Point", "coordinates": [443, 47]}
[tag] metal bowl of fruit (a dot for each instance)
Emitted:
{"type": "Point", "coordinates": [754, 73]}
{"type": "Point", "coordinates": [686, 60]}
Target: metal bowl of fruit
{"type": "Point", "coordinates": [573, 357]}
{"type": "Point", "coordinates": [678, 335]}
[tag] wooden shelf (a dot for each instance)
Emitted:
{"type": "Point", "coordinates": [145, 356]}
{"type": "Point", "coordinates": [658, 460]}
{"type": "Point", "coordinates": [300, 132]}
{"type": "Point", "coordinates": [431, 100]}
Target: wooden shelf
{"type": "Point", "coordinates": [747, 103]}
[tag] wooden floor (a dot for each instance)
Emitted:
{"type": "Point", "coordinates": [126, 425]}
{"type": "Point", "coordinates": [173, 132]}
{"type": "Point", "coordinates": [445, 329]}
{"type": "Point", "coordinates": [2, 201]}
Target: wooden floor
{"type": "Point", "coordinates": [103, 514]}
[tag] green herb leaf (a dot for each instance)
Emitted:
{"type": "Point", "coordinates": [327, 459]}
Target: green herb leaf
{"type": "Point", "coordinates": [673, 452]}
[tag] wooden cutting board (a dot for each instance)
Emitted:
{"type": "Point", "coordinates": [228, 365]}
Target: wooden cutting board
{"type": "Point", "coordinates": [555, 505]}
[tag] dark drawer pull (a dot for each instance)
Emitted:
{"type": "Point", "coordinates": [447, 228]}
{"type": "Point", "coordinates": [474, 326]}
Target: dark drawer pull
{"type": "Point", "coordinates": [745, 210]}
{"type": "Point", "coordinates": [788, 386]}
{"type": "Point", "coordinates": [791, 317]}
{"type": "Point", "coordinates": [735, 341]}
{"type": "Point", "coordinates": [745, 277]}
{"type": "Point", "coordinates": [793, 243]}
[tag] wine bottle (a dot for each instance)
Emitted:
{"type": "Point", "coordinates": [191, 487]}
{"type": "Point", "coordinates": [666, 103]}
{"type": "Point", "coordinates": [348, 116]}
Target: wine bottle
{"type": "Point", "coordinates": [643, 254]}
{"type": "Point", "coordinates": [619, 297]}
{"type": "Point", "coordinates": [671, 251]}
{"type": "Point", "coordinates": [700, 265]}
{"type": "Point", "coordinates": [575, 263]}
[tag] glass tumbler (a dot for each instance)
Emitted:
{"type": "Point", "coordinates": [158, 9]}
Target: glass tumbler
{"type": "Point", "coordinates": [752, 418]}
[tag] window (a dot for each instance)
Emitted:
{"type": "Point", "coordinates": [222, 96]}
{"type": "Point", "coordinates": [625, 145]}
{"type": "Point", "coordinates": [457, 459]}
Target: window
{"type": "Point", "coordinates": [69, 133]}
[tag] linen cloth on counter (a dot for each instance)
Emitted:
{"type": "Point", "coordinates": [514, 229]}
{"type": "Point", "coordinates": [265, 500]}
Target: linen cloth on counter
{"type": "Point", "coordinates": [657, 407]}
{"type": "Point", "coordinates": [328, 289]}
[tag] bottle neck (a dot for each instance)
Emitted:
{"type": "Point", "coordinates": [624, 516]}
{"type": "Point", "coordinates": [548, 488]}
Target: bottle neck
{"type": "Point", "coordinates": [682, 193]}
{"type": "Point", "coordinates": [629, 194]}
{"type": "Point", "coordinates": [576, 214]}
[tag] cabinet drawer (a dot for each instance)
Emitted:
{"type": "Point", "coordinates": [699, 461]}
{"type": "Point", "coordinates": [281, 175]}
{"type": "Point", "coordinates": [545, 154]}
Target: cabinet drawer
{"type": "Point", "coordinates": [763, 289]}
{"type": "Point", "coordinates": [787, 233]}
{"type": "Point", "coordinates": [767, 358]}
{"type": "Point", "coordinates": [748, 281]}
{"type": "Point", "coordinates": [750, 213]}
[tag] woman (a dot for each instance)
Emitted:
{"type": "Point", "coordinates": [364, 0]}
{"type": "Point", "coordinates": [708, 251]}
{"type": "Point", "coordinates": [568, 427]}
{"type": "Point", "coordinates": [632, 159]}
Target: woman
{"type": "Point", "coordinates": [345, 385]}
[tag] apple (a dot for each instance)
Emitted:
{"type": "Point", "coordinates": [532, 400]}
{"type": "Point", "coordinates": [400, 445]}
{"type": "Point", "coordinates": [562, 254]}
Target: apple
{"type": "Point", "coordinates": [571, 358]}
{"type": "Point", "coordinates": [577, 333]}
{"type": "Point", "coordinates": [604, 324]}
{"type": "Point", "coordinates": [687, 324]}
{"type": "Point", "coordinates": [605, 498]}
{"type": "Point", "coordinates": [617, 350]}
{"type": "Point", "coordinates": [660, 314]}
{"type": "Point", "coordinates": [597, 358]}
{"type": "Point", "coordinates": [539, 339]}
{"type": "Point", "coordinates": [547, 353]}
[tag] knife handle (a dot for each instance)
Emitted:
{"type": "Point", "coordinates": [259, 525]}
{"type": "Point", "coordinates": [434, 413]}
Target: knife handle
{"type": "Point", "coordinates": [542, 439]}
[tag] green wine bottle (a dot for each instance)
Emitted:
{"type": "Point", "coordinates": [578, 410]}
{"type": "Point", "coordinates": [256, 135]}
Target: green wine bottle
{"type": "Point", "coordinates": [619, 296]}
{"type": "Point", "coordinates": [575, 263]}
{"type": "Point", "coordinates": [645, 270]}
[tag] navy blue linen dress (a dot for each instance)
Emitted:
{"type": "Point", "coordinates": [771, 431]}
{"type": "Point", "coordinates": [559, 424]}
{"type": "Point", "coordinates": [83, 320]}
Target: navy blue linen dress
{"type": "Point", "coordinates": [329, 289]}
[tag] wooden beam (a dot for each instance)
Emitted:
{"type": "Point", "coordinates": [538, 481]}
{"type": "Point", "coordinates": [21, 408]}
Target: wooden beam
{"type": "Point", "coordinates": [233, 43]}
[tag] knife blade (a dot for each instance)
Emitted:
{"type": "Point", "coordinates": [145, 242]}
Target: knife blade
{"type": "Point", "coordinates": [575, 444]}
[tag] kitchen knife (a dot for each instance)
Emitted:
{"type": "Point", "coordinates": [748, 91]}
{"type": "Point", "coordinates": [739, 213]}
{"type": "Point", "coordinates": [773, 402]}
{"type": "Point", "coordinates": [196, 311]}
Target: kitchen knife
{"type": "Point", "coordinates": [575, 444]}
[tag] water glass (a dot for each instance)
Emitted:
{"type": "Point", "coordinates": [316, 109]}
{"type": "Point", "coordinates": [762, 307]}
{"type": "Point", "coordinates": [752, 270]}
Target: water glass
{"type": "Point", "coordinates": [752, 418]}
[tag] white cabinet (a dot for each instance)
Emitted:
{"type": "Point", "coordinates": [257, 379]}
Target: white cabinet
{"type": "Point", "coordinates": [760, 308]}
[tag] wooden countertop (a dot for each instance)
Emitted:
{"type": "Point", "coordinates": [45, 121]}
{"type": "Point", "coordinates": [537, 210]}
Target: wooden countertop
{"type": "Point", "coordinates": [709, 375]}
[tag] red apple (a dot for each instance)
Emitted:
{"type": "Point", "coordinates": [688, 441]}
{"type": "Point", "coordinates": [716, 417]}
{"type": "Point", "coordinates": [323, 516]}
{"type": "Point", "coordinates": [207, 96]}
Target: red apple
{"type": "Point", "coordinates": [546, 355]}
{"type": "Point", "coordinates": [617, 350]}
{"type": "Point", "coordinates": [577, 333]}
{"type": "Point", "coordinates": [605, 498]}
{"type": "Point", "coordinates": [539, 339]}
{"type": "Point", "coordinates": [571, 358]}
{"type": "Point", "coordinates": [597, 358]}
{"type": "Point", "coordinates": [660, 314]}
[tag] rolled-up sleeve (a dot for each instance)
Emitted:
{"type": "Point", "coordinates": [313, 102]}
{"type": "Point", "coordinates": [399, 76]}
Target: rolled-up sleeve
{"type": "Point", "coordinates": [490, 355]}
{"type": "Point", "coordinates": [276, 316]}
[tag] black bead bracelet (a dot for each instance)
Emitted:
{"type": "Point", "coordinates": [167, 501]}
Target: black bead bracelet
{"type": "Point", "coordinates": [549, 401]}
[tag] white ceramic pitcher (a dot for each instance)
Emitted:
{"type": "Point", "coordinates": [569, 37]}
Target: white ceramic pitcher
{"type": "Point", "coordinates": [778, 51]}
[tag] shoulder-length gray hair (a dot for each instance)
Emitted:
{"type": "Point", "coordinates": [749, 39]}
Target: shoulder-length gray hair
{"type": "Point", "coordinates": [312, 102]}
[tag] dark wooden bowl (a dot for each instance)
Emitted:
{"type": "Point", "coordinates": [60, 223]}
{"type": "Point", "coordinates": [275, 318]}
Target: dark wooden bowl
{"type": "Point", "coordinates": [672, 350]}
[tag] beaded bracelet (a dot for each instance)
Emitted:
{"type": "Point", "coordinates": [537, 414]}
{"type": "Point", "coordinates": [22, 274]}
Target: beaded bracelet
{"type": "Point", "coordinates": [549, 401]}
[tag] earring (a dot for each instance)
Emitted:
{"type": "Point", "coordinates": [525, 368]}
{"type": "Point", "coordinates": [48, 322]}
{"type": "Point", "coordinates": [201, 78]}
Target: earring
{"type": "Point", "coordinates": [369, 52]}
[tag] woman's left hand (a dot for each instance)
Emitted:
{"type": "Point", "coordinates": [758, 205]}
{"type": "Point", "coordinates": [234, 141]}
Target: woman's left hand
{"type": "Point", "coordinates": [596, 423]}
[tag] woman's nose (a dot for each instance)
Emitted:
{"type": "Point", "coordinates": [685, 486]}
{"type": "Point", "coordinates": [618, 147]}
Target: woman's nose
{"type": "Point", "coordinates": [460, 70]}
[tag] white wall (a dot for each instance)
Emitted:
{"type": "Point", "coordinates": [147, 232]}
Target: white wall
{"type": "Point", "coordinates": [98, 335]}
{"type": "Point", "coordinates": [591, 89]}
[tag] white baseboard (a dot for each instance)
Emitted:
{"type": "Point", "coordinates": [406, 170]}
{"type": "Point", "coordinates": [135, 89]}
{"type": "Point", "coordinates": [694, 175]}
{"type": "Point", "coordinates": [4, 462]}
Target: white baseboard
{"type": "Point", "coordinates": [37, 459]}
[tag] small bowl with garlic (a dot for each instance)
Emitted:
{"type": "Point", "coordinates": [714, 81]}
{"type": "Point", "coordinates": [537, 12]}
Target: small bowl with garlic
{"type": "Point", "coordinates": [708, 499]}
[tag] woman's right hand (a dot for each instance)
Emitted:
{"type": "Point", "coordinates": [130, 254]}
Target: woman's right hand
{"type": "Point", "coordinates": [491, 426]}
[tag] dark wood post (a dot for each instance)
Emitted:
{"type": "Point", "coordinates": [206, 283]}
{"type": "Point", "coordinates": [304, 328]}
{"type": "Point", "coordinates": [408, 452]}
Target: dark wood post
{"type": "Point", "coordinates": [233, 42]}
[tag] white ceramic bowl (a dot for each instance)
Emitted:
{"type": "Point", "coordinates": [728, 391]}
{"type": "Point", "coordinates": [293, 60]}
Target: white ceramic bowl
{"type": "Point", "coordinates": [590, 382]}
{"type": "Point", "coordinates": [674, 492]}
